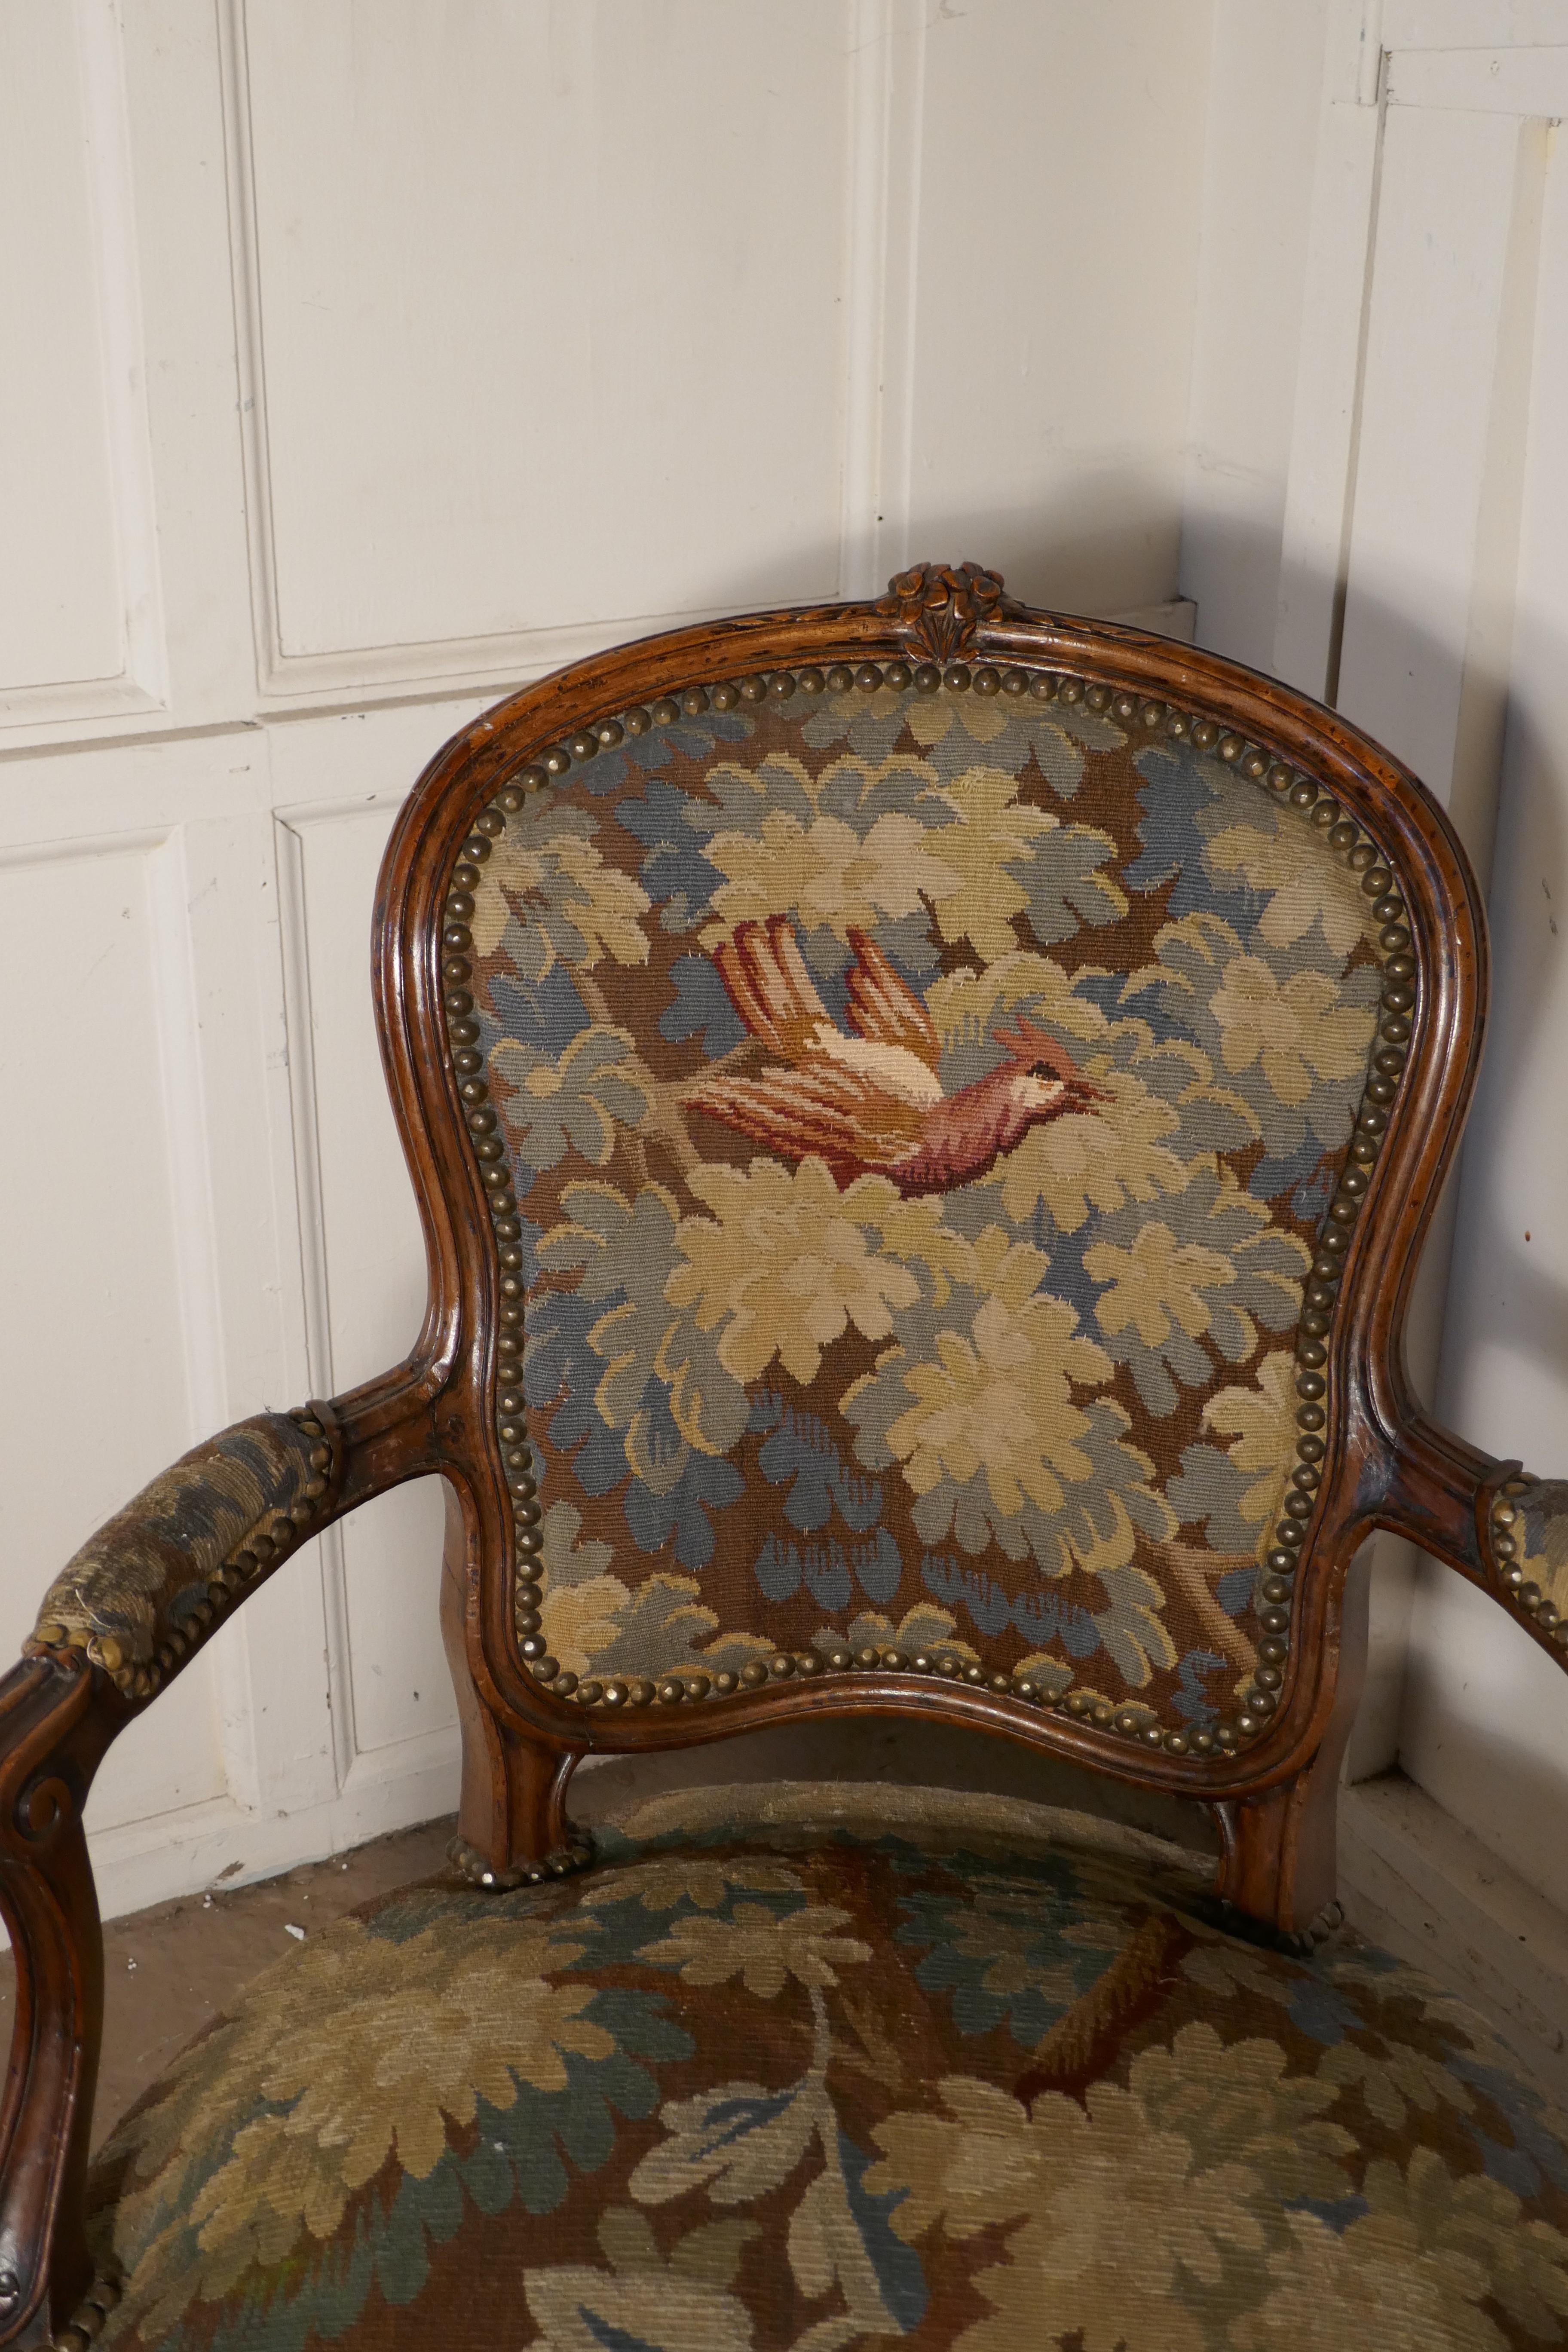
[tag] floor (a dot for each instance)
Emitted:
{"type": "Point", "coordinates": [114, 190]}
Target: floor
{"type": "Point", "coordinates": [170, 1970]}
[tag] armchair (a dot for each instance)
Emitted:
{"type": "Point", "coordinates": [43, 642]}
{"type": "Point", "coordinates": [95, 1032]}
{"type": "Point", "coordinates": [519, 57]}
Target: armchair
{"type": "Point", "coordinates": [924, 1114]}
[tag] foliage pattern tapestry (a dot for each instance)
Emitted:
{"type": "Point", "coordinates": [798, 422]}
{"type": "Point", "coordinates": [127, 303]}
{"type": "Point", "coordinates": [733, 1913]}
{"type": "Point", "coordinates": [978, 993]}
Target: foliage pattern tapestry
{"type": "Point", "coordinates": [941, 2076]}
{"type": "Point", "coordinates": [920, 1109]}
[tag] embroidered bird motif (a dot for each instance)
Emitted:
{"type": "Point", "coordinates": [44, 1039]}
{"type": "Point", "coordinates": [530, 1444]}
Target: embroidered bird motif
{"type": "Point", "coordinates": [874, 1100]}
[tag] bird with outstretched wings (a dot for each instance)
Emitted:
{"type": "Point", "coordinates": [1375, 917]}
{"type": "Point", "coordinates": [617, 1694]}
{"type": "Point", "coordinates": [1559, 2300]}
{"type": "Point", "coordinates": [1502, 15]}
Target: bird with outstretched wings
{"type": "Point", "coordinates": [873, 1102]}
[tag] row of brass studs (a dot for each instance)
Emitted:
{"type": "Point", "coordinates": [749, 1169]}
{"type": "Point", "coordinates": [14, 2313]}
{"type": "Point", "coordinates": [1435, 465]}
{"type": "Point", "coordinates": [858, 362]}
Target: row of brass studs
{"type": "Point", "coordinates": [1527, 1599]}
{"type": "Point", "coordinates": [1154, 717]}
{"type": "Point", "coordinates": [468, 1859]}
{"type": "Point", "coordinates": [272, 1536]}
{"type": "Point", "coordinates": [1276, 1591]}
{"type": "Point", "coordinates": [88, 2322]}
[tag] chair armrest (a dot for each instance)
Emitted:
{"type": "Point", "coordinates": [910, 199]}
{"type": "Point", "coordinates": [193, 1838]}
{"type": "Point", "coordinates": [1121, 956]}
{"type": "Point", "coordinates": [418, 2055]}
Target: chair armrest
{"type": "Point", "coordinates": [1502, 1528]}
{"type": "Point", "coordinates": [116, 1624]}
{"type": "Point", "coordinates": [144, 1591]}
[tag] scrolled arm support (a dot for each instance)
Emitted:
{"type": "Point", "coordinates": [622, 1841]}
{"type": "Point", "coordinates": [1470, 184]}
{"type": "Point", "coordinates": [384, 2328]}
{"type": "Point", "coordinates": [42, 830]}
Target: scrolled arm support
{"type": "Point", "coordinates": [116, 1624]}
{"type": "Point", "coordinates": [1502, 1528]}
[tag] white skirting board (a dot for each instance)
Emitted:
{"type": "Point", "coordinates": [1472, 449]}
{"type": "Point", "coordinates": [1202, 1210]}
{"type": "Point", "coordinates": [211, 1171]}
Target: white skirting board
{"type": "Point", "coordinates": [1412, 1879]}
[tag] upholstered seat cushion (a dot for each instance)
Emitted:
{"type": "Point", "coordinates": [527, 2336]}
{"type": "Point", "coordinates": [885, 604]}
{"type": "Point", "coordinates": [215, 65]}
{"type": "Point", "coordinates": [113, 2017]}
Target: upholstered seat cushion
{"type": "Point", "coordinates": [824, 2069]}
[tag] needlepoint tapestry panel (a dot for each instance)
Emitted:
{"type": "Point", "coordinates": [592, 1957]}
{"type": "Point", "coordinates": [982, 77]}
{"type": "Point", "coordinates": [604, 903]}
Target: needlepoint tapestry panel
{"type": "Point", "coordinates": [920, 1109]}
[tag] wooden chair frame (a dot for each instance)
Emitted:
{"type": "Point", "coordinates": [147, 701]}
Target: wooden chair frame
{"type": "Point", "coordinates": [1385, 1464]}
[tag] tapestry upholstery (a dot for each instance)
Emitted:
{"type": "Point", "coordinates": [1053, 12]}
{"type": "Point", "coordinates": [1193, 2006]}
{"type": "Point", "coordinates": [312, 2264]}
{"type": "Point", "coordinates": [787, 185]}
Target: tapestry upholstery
{"type": "Point", "coordinates": [921, 1106]}
{"type": "Point", "coordinates": [140, 1591]}
{"type": "Point", "coordinates": [1529, 1547]}
{"type": "Point", "coordinates": [826, 2068]}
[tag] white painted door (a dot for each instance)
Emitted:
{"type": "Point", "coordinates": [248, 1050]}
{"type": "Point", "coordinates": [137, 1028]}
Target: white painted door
{"type": "Point", "coordinates": [1395, 499]}
{"type": "Point", "coordinates": [362, 359]}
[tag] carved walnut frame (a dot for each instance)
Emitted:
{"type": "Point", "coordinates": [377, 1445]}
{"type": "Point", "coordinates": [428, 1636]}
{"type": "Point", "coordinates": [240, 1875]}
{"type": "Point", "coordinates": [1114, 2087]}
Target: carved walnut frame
{"type": "Point", "coordinates": [1386, 1464]}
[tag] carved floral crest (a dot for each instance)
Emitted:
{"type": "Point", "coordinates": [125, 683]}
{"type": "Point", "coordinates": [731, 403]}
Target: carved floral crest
{"type": "Point", "coordinates": [942, 606]}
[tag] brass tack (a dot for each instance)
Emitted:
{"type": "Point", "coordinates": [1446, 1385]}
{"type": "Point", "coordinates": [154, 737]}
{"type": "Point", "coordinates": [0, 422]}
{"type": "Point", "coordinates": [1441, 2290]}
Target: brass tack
{"type": "Point", "coordinates": [1205, 734]}
{"type": "Point", "coordinates": [1394, 936]}
{"type": "Point", "coordinates": [1014, 681]}
{"type": "Point", "coordinates": [1151, 1734]}
{"type": "Point", "coordinates": [1390, 908]}
{"type": "Point", "coordinates": [754, 688]}
{"type": "Point", "coordinates": [986, 680]}
{"type": "Point", "coordinates": [928, 677]}
{"type": "Point", "coordinates": [1255, 766]}
{"type": "Point", "coordinates": [665, 711]}
{"type": "Point", "coordinates": [896, 676]}
{"type": "Point", "coordinates": [895, 1661]}
{"type": "Point", "coordinates": [1175, 1743]}
{"type": "Point", "coordinates": [1231, 748]}
{"type": "Point", "coordinates": [1278, 777]}
{"type": "Point", "coordinates": [608, 731]}
{"type": "Point", "coordinates": [476, 848]}
{"type": "Point", "coordinates": [947, 1664]}
{"type": "Point", "coordinates": [638, 721]}
{"type": "Point", "coordinates": [1375, 881]}
{"type": "Point", "coordinates": [1127, 1721]}
{"type": "Point", "coordinates": [491, 824]}
{"type": "Point", "coordinates": [1070, 690]}
{"type": "Point", "coordinates": [1517, 1486]}
{"type": "Point", "coordinates": [1513, 1577]}
{"type": "Point", "coordinates": [1125, 706]}
{"type": "Point", "coordinates": [867, 678]}
{"type": "Point", "coordinates": [1327, 814]}
{"type": "Point", "coordinates": [1361, 856]}
{"type": "Point", "coordinates": [1303, 792]}
{"type": "Point", "coordinates": [694, 701]}
{"type": "Point", "coordinates": [1546, 1615]}
{"type": "Point", "coordinates": [726, 695]}
{"type": "Point", "coordinates": [1023, 1689]}
{"type": "Point", "coordinates": [1504, 1514]}
{"type": "Point", "coordinates": [975, 1674]}
{"type": "Point", "coordinates": [696, 1686]}
{"type": "Point", "coordinates": [839, 1660]}
{"type": "Point", "coordinates": [782, 1667]}
{"type": "Point", "coordinates": [1097, 696]}
{"type": "Point", "coordinates": [754, 1675]}
{"type": "Point", "coordinates": [810, 681]}
{"type": "Point", "coordinates": [1178, 724]}
{"type": "Point", "coordinates": [807, 1662]}
{"type": "Point", "coordinates": [724, 1683]}
{"type": "Point", "coordinates": [868, 1658]}
{"type": "Point", "coordinates": [956, 677]}
{"type": "Point", "coordinates": [1396, 1029]}
{"type": "Point", "coordinates": [1152, 713]}
{"type": "Point", "coordinates": [1100, 1714]}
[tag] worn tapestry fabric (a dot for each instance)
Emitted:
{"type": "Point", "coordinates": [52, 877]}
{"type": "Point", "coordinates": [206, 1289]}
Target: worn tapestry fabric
{"type": "Point", "coordinates": [840, 2068]}
{"type": "Point", "coordinates": [1530, 1533]}
{"type": "Point", "coordinates": [920, 1109]}
{"type": "Point", "coordinates": [143, 1576]}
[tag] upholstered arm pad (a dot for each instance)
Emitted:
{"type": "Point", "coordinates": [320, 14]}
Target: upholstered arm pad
{"type": "Point", "coordinates": [1527, 1543]}
{"type": "Point", "coordinates": [143, 1592]}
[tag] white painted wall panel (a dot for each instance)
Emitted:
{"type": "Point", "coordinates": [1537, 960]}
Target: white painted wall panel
{"type": "Point", "coordinates": [96, 1398]}
{"type": "Point", "coordinates": [1060, 170]}
{"type": "Point", "coordinates": [550, 309]}
{"type": "Point", "coordinates": [61, 605]}
{"type": "Point", "coordinates": [1486, 1728]}
{"type": "Point", "coordinates": [398, 1685]}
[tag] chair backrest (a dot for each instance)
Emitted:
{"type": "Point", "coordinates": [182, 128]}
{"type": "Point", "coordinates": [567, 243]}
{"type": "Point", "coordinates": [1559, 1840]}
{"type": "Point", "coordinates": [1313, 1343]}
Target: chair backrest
{"type": "Point", "coordinates": [954, 1094]}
